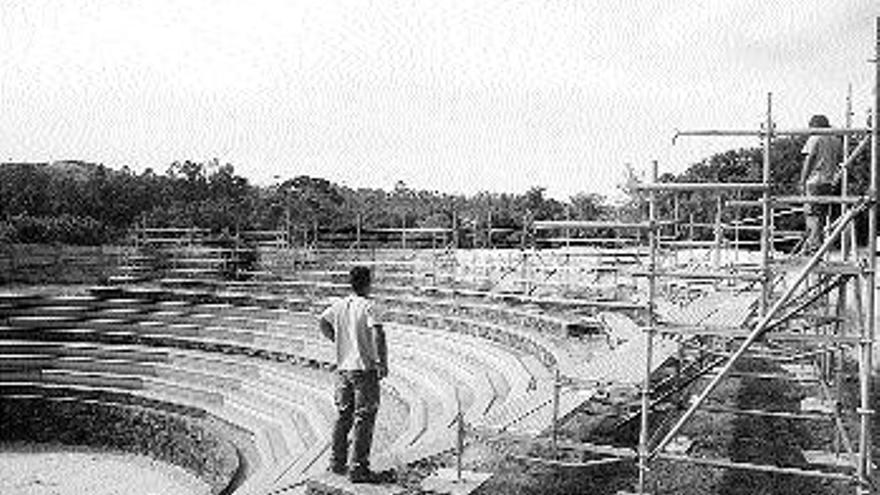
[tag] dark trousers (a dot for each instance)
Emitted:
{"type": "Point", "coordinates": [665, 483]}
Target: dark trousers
{"type": "Point", "coordinates": [818, 214]}
{"type": "Point", "coordinates": [357, 402]}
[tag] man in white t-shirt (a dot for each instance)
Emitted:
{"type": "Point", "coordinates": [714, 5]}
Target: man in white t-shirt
{"type": "Point", "coordinates": [819, 176]}
{"type": "Point", "coordinates": [361, 362]}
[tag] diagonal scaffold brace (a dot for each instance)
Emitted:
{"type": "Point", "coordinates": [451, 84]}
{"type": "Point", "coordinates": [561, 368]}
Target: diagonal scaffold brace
{"type": "Point", "coordinates": [761, 328]}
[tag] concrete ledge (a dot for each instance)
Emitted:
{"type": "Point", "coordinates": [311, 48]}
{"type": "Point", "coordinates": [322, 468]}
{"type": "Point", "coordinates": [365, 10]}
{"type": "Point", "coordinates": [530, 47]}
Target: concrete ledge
{"type": "Point", "coordinates": [334, 484]}
{"type": "Point", "coordinates": [447, 481]}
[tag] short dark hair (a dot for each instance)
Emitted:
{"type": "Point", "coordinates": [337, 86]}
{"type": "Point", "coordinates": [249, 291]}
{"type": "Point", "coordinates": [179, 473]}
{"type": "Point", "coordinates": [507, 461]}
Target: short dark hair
{"type": "Point", "coordinates": [360, 278]}
{"type": "Point", "coordinates": [819, 121]}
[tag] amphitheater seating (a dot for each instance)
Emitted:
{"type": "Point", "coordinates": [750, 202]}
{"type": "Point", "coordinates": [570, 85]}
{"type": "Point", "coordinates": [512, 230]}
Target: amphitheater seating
{"type": "Point", "coordinates": [79, 349]}
{"type": "Point", "coordinates": [718, 309]}
{"type": "Point", "coordinates": [226, 356]}
{"type": "Point", "coordinates": [249, 352]}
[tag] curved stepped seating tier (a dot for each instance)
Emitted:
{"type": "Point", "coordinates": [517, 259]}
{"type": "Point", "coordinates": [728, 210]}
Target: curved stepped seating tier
{"type": "Point", "coordinates": [75, 350]}
{"type": "Point", "coordinates": [550, 355]}
{"type": "Point", "coordinates": [239, 359]}
{"type": "Point", "coordinates": [718, 309]}
{"type": "Point", "coordinates": [249, 352]}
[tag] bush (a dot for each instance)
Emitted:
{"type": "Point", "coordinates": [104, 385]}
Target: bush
{"type": "Point", "coordinates": [7, 233]}
{"type": "Point", "coordinates": [63, 229]}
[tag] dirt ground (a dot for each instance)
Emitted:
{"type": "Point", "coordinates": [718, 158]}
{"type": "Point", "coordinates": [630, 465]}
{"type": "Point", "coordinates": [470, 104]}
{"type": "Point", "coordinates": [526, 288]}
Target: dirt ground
{"type": "Point", "coordinates": [62, 470]}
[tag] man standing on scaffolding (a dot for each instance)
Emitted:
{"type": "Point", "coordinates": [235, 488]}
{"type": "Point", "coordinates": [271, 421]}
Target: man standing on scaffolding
{"type": "Point", "coordinates": [819, 176]}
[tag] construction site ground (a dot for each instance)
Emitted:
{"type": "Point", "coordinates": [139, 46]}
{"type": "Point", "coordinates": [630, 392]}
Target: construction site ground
{"type": "Point", "coordinates": [758, 440]}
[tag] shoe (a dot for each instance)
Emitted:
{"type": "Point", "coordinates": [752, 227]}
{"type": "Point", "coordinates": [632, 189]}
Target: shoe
{"type": "Point", "coordinates": [372, 477]}
{"type": "Point", "coordinates": [336, 469]}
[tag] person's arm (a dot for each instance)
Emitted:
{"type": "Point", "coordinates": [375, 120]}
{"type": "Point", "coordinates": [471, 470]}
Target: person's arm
{"type": "Point", "coordinates": [806, 168]}
{"type": "Point", "coordinates": [381, 349]}
{"type": "Point", "coordinates": [840, 170]}
{"type": "Point", "coordinates": [809, 152]}
{"type": "Point", "coordinates": [326, 329]}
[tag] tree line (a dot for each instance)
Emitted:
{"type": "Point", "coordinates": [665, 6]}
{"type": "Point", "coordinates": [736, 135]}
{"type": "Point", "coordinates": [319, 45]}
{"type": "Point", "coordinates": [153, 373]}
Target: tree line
{"type": "Point", "coordinates": [74, 202]}
{"type": "Point", "coordinates": [746, 165]}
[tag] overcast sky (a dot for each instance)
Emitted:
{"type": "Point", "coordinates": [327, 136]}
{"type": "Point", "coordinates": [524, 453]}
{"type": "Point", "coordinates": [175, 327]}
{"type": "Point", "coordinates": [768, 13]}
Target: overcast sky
{"type": "Point", "coordinates": [457, 96]}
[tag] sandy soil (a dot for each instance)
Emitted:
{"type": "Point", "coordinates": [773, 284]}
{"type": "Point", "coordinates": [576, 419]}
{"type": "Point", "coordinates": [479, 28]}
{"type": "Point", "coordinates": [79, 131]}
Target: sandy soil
{"type": "Point", "coordinates": [68, 471]}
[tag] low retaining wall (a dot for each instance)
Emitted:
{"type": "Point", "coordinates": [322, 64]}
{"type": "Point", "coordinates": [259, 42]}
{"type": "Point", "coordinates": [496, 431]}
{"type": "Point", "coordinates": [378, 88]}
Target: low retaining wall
{"type": "Point", "coordinates": [56, 264]}
{"type": "Point", "coordinates": [190, 443]}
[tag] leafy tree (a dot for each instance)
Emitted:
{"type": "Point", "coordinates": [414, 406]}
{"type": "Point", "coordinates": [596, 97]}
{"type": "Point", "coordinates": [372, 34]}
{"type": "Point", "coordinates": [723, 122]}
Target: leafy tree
{"type": "Point", "coordinates": [588, 206]}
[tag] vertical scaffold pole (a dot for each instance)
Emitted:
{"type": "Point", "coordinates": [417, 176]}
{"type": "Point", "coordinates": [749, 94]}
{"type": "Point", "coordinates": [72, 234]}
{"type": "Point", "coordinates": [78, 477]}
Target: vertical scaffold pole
{"type": "Point", "coordinates": [865, 413]}
{"type": "Point", "coordinates": [844, 179]}
{"type": "Point", "coordinates": [649, 334]}
{"type": "Point", "coordinates": [765, 209]}
{"type": "Point", "coordinates": [839, 351]}
{"type": "Point", "coordinates": [459, 437]}
{"type": "Point", "coordinates": [557, 388]}
{"type": "Point", "coordinates": [489, 228]}
{"type": "Point", "coordinates": [676, 212]}
{"type": "Point", "coordinates": [719, 235]}
{"type": "Point", "coordinates": [567, 230]}
{"type": "Point", "coordinates": [403, 231]}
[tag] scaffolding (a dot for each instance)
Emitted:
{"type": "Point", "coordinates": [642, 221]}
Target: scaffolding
{"type": "Point", "coordinates": [801, 316]}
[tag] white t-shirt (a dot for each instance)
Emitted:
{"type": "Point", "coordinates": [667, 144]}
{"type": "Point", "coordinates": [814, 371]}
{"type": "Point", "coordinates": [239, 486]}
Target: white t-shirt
{"type": "Point", "coordinates": [827, 152]}
{"type": "Point", "coordinates": [353, 320]}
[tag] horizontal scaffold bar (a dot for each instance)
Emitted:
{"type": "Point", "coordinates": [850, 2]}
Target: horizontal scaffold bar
{"type": "Point", "coordinates": [263, 232]}
{"type": "Point", "coordinates": [723, 463]}
{"type": "Point", "coordinates": [731, 332]}
{"type": "Point", "coordinates": [788, 212]}
{"type": "Point", "coordinates": [699, 275]}
{"type": "Point", "coordinates": [559, 301]}
{"type": "Point", "coordinates": [782, 375]}
{"type": "Point", "coordinates": [588, 240]}
{"type": "Point", "coordinates": [702, 186]}
{"type": "Point", "coordinates": [172, 229]}
{"type": "Point", "coordinates": [828, 131]}
{"type": "Point", "coordinates": [743, 228]}
{"type": "Point", "coordinates": [587, 224]}
{"type": "Point", "coordinates": [774, 132]}
{"type": "Point", "coordinates": [848, 200]}
{"type": "Point", "coordinates": [787, 233]}
{"type": "Point", "coordinates": [739, 333]}
{"type": "Point", "coordinates": [412, 230]}
{"type": "Point", "coordinates": [567, 464]}
{"type": "Point", "coordinates": [629, 253]}
{"type": "Point", "coordinates": [698, 225]}
{"type": "Point", "coordinates": [840, 268]}
{"type": "Point", "coordinates": [744, 203]}
{"type": "Point", "coordinates": [688, 244]}
{"type": "Point", "coordinates": [593, 448]}
{"type": "Point", "coordinates": [758, 228]}
{"type": "Point", "coordinates": [786, 201]}
{"type": "Point", "coordinates": [766, 414]}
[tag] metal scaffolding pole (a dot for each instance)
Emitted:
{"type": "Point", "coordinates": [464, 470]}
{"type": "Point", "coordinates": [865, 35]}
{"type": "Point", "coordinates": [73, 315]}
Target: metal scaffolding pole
{"type": "Point", "coordinates": [775, 132]}
{"type": "Point", "coordinates": [830, 336]}
{"type": "Point", "coordinates": [865, 412]}
{"type": "Point", "coordinates": [701, 186]}
{"type": "Point", "coordinates": [757, 332]}
{"type": "Point", "coordinates": [765, 210]}
{"type": "Point", "coordinates": [644, 436]}
{"type": "Point", "coordinates": [844, 179]}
